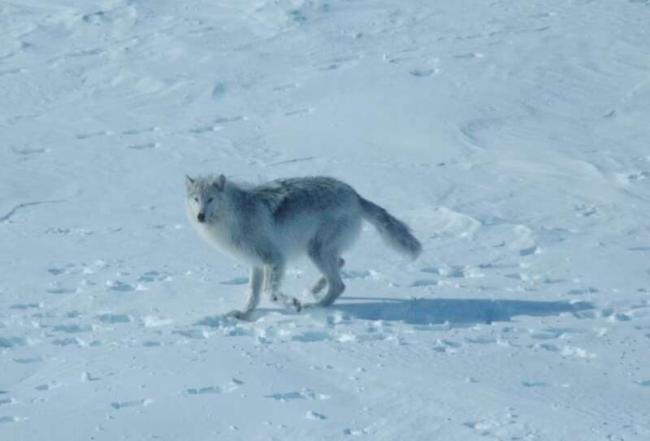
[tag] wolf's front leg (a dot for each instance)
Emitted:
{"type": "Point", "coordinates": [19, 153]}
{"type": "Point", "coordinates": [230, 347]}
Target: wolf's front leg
{"type": "Point", "coordinates": [274, 273]}
{"type": "Point", "coordinates": [254, 288]}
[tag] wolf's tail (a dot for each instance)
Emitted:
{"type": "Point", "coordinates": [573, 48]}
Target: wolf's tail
{"type": "Point", "coordinates": [395, 232]}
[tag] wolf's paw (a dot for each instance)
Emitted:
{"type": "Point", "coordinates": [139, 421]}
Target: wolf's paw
{"type": "Point", "coordinates": [295, 304]}
{"type": "Point", "coordinates": [289, 302]}
{"type": "Point", "coordinates": [239, 315]}
{"type": "Point", "coordinates": [292, 303]}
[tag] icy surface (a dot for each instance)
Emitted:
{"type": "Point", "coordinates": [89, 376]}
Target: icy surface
{"type": "Point", "coordinates": [512, 135]}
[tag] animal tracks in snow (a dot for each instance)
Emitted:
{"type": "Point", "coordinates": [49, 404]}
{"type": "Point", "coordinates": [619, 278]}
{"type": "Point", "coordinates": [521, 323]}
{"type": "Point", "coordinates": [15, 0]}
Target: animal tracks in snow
{"type": "Point", "coordinates": [124, 405]}
{"type": "Point", "coordinates": [351, 321]}
{"type": "Point", "coordinates": [87, 276]}
{"type": "Point", "coordinates": [233, 385]}
{"type": "Point", "coordinates": [11, 419]}
{"type": "Point", "coordinates": [12, 342]}
{"type": "Point", "coordinates": [507, 426]}
{"type": "Point", "coordinates": [110, 318]}
{"type": "Point", "coordinates": [510, 138]}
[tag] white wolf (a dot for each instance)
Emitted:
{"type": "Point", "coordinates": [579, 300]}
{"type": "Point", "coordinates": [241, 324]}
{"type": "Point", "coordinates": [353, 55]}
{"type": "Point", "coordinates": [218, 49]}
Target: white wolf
{"type": "Point", "coordinates": [266, 225]}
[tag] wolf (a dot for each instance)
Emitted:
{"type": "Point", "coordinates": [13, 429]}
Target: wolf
{"type": "Point", "coordinates": [266, 225]}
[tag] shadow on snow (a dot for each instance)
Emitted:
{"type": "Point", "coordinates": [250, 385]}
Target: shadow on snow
{"type": "Point", "coordinates": [453, 311]}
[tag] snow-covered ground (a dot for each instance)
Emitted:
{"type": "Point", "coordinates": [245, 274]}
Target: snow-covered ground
{"type": "Point", "coordinates": [512, 136]}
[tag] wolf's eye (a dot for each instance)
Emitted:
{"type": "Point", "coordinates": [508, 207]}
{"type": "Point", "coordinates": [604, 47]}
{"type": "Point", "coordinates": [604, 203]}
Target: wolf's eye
{"type": "Point", "coordinates": [210, 200]}
{"type": "Point", "coordinates": [196, 199]}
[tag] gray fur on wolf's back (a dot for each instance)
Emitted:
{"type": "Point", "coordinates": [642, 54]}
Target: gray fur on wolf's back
{"type": "Point", "coordinates": [286, 197]}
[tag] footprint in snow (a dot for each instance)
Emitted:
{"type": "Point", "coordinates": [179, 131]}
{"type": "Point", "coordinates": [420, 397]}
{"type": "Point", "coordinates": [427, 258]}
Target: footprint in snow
{"type": "Point", "coordinates": [59, 290]}
{"type": "Point", "coordinates": [204, 129]}
{"type": "Point", "coordinates": [235, 281]}
{"type": "Point", "coordinates": [423, 72]}
{"type": "Point", "coordinates": [469, 55]}
{"type": "Point", "coordinates": [534, 384]}
{"type": "Point", "coordinates": [86, 377]}
{"type": "Point", "coordinates": [355, 432]}
{"type": "Point", "coordinates": [288, 396]}
{"type": "Point", "coordinates": [634, 177]}
{"type": "Point", "coordinates": [154, 276]}
{"type": "Point", "coordinates": [151, 344]}
{"type": "Point", "coordinates": [233, 385]}
{"type": "Point", "coordinates": [69, 341]}
{"type": "Point", "coordinates": [24, 306]}
{"type": "Point", "coordinates": [28, 360]}
{"type": "Point", "coordinates": [114, 318]}
{"type": "Point", "coordinates": [218, 90]}
{"type": "Point", "coordinates": [284, 87]}
{"type": "Point", "coordinates": [7, 401]}
{"type": "Point", "coordinates": [229, 119]}
{"type": "Point", "coordinates": [56, 271]}
{"type": "Point", "coordinates": [144, 146]}
{"type": "Point", "coordinates": [92, 134]}
{"type": "Point", "coordinates": [204, 390]}
{"type": "Point", "coordinates": [10, 419]}
{"type": "Point", "coordinates": [312, 336]}
{"type": "Point", "coordinates": [119, 286]}
{"type": "Point", "coordinates": [481, 340]}
{"type": "Point", "coordinates": [25, 152]}
{"type": "Point", "coordinates": [11, 342]}
{"type": "Point", "coordinates": [72, 329]}
{"type": "Point", "coordinates": [424, 282]}
{"type": "Point", "coordinates": [140, 131]}
{"type": "Point", "coordinates": [528, 251]}
{"type": "Point", "coordinates": [303, 394]}
{"type": "Point", "coordinates": [119, 405]}
{"type": "Point", "coordinates": [298, 112]}
{"type": "Point", "coordinates": [311, 415]}
{"type": "Point", "coordinates": [454, 271]}
{"type": "Point", "coordinates": [548, 333]}
{"type": "Point", "coordinates": [47, 386]}
{"type": "Point", "coordinates": [358, 274]}
{"type": "Point", "coordinates": [448, 346]}
{"type": "Point", "coordinates": [196, 334]}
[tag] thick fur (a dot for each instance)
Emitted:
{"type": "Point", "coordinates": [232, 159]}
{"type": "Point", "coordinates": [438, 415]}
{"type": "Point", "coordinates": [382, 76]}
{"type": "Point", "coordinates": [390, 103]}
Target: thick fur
{"type": "Point", "coordinates": [395, 232]}
{"type": "Point", "coordinates": [266, 225]}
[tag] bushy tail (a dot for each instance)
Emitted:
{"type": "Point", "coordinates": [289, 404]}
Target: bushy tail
{"type": "Point", "coordinates": [395, 232]}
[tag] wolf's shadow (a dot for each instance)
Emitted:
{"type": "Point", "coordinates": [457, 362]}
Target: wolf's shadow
{"type": "Point", "coordinates": [463, 312]}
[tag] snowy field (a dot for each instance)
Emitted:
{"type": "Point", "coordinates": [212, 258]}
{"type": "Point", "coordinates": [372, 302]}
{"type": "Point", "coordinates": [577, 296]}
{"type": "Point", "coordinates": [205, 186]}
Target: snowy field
{"type": "Point", "coordinates": [511, 135]}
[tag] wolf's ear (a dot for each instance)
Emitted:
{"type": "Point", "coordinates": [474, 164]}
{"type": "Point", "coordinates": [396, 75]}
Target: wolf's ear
{"type": "Point", "coordinates": [220, 183]}
{"type": "Point", "coordinates": [189, 182]}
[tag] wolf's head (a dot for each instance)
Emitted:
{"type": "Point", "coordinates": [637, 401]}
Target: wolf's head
{"type": "Point", "coordinates": [205, 198]}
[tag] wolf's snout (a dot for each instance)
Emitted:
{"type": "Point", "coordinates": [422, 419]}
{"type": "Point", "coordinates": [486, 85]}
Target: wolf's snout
{"type": "Point", "coordinates": [201, 217]}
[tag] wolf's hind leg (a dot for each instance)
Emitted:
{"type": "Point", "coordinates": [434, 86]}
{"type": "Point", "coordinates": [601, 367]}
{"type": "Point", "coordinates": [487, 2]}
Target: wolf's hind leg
{"type": "Point", "coordinates": [322, 282]}
{"type": "Point", "coordinates": [328, 262]}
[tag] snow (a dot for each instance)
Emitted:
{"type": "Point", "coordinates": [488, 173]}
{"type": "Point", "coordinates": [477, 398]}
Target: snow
{"type": "Point", "coordinates": [512, 136]}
